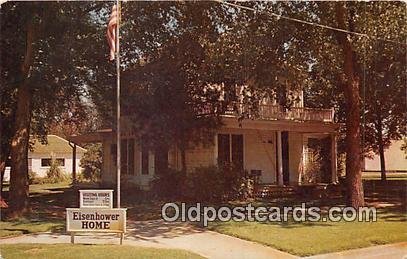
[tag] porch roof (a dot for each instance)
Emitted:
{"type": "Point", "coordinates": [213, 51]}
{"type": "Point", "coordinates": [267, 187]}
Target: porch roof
{"type": "Point", "coordinates": [282, 125]}
{"type": "Point", "coordinates": [91, 137]}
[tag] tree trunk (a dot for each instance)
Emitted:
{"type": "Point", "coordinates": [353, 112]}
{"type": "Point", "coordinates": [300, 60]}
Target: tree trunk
{"type": "Point", "coordinates": [19, 196]}
{"type": "Point", "coordinates": [19, 154]}
{"type": "Point", "coordinates": [382, 162]}
{"type": "Point", "coordinates": [3, 159]}
{"type": "Point", "coordinates": [4, 154]}
{"type": "Point", "coordinates": [355, 197]}
{"type": "Point", "coordinates": [381, 149]}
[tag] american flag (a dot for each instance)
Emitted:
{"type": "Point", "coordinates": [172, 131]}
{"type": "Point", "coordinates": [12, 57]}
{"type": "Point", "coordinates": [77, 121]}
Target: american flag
{"type": "Point", "coordinates": [111, 32]}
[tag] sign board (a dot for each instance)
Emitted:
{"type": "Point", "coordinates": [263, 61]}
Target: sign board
{"type": "Point", "coordinates": [96, 199]}
{"type": "Point", "coordinates": [95, 220]}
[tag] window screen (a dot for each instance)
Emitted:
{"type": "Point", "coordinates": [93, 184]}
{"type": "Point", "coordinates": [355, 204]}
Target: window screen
{"type": "Point", "coordinates": [223, 149]}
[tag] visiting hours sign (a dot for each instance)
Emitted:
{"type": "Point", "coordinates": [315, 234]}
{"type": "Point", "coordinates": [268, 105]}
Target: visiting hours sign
{"type": "Point", "coordinates": [96, 199]}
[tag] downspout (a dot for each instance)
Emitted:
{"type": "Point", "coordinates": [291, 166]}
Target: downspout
{"type": "Point", "coordinates": [73, 145]}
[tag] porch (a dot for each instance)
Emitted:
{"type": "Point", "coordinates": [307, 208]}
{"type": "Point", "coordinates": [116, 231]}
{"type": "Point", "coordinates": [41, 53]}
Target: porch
{"type": "Point", "coordinates": [282, 153]}
{"type": "Point", "coordinates": [278, 151]}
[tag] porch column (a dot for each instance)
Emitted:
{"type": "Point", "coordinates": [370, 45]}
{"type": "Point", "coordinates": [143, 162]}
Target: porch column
{"type": "Point", "coordinates": [279, 160]}
{"type": "Point", "coordinates": [74, 163]}
{"type": "Point", "coordinates": [334, 163]}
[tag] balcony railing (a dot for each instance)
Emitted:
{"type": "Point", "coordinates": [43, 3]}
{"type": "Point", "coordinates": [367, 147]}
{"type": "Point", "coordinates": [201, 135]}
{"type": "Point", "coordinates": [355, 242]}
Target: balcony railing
{"type": "Point", "coordinates": [296, 113]}
{"type": "Point", "coordinates": [277, 112]}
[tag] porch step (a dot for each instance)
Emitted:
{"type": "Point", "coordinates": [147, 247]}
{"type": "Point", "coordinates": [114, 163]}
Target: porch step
{"type": "Point", "coordinates": [304, 191]}
{"type": "Point", "coordinates": [274, 191]}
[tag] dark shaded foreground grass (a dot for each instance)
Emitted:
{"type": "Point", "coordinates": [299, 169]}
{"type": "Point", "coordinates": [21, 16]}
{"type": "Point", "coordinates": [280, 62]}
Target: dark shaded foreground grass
{"type": "Point", "coordinates": [79, 251]}
{"type": "Point", "coordinates": [26, 226]}
{"type": "Point", "coordinates": [48, 203]}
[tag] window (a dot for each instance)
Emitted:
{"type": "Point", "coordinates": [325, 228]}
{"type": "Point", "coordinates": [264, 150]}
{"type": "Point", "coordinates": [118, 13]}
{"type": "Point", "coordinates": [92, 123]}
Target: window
{"type": "Point", "coordinates": [123, 156]}
{"type": "Point", "coordinates": [144, 158]}
{"type": "Point", "coordinates": [223, 149]}
{"type": "Point", "coordinates": [130, 145]}
{"type": "Point", "coordinates": [126, 155]}
{"type": "Point", "coordinates": [61, 161]}
{"type": "Point", "coordinates": [113, 152]}
{"type": "Point", "coordinates": [230, 149]}
{"type": "Point", "coordinates": [45, 162]}
{"type": "Point", "coordinates": [237, 151]}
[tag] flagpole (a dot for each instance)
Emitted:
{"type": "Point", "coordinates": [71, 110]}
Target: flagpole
{"type": "Point", "coordinates": [118, 103]}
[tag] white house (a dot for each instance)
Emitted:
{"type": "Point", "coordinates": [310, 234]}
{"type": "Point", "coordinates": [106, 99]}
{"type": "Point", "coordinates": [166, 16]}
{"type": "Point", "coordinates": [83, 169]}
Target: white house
{"type": "Point", "coordinates": [274, 144]}
{"type": "Point", "coordinates": [40, 155]}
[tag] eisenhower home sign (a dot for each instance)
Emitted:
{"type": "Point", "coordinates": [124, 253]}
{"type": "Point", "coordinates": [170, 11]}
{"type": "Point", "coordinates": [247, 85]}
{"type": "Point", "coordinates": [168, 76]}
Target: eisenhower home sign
{"type": "Point", "coordinates": [96, 199]}
{"type": "Point", "coordinates": [96, 214]}
{"type": "Point", "coordinates": [95, 219]}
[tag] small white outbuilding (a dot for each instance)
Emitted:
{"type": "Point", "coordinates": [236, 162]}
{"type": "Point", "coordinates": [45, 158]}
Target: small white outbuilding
{"type": "Point", "coordinates": [40, 156]}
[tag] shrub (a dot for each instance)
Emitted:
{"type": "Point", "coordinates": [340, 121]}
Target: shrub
{"type": "Point", "coordinates": [203, 184]}
{"type": "Point", "coordinates": [33, 178]}
{"type": "Point", "coordinates": [215, 184]}
{"type": "Point", "coordinates": [206, 184]}
{"type": "Point", "coordinates": [55, 173]}
{"type": "Point", "coordinates": [312, 172]}
{"type": "Point", "coordinates": [91, 162]}
{"type": "Point", "coordinates": [169, 184]}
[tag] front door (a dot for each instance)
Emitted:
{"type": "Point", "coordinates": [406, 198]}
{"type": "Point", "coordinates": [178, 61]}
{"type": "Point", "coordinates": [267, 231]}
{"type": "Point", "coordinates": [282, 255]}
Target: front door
{"type": "Point", "coordinates": [161, 160]}
{"type": "Point", "coordinates": [285, 157]}
{"type": "Point", "coordinates": [230, 150]}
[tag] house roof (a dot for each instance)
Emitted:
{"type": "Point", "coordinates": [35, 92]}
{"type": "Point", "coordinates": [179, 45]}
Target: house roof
{"type": "Point", "coordinates": [55, 145]}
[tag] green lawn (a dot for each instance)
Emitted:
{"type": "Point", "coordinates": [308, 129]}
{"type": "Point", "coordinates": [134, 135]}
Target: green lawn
{"type": "Point", "coordinates": [42, 188]}
{"type": "Point", "coordinates": [305, 239]}
{"type": "Point", "coordinates": [389, 176]}
{"type": "Point", "coordinates": [78, 251]}
{"type": "Point", "coordinates": [49, 187]}
{"type": "Point", "coordinates": [24, 226]}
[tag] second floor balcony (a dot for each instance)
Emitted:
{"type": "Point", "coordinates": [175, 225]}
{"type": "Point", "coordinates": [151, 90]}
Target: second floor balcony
{"type": "Point", "coordinates": [277, 112]}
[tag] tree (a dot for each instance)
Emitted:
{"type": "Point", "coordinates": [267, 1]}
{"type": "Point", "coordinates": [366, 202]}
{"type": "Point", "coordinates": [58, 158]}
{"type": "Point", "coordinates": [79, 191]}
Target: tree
{"type": "Point", "coordinates": [309, 48]}
{"type": "Point", "coordinates": [168, 94]}
{"type": "Point", "coordinates": [385, 78]}
{"type": "Point", "coordinates": [19, 141]}
{"type": "Point", "coordinates": [351, 83]}
{"type": "Point", "coordinates": [80, 118]}
{"type": "Point", "coordinates": [342, 59]}
{"type": "Point", "coordinates": [385, 106]}
{"type": "Point", "coordinates": [37, 41]}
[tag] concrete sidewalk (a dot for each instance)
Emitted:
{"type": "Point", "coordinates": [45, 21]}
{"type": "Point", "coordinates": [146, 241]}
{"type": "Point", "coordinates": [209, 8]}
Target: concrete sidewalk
{"type": "Point", "coordinates": [160, 234]}
{"type": "Point", "coordinates": [391, 251]}
{"type": "Point", "coordinates": [201, 241]}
